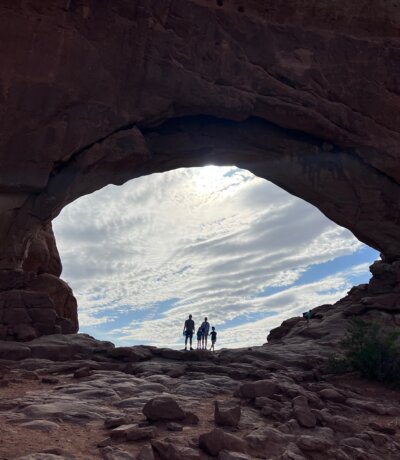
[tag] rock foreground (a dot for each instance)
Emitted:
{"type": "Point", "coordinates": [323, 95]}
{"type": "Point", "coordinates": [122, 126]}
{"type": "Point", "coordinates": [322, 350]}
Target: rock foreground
{"type": "Point", "coordinates": [73, 397]}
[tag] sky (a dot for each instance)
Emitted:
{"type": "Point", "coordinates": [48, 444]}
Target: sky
{"type": "Point", "coordinates": [212, 241]}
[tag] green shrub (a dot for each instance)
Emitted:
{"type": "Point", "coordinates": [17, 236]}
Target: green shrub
{"type": "Point", "coordinates": [370, 349]}
{"type": "Point", "coordinates": [337, 365]}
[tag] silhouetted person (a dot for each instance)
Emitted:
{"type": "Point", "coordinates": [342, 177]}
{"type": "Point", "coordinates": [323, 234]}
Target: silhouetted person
{"type": "Point", "coordinates": [199, 336]}
{"type": "Point", "coordinates": [205, 328]}
{"type": "Point", "coordinates": [213, 338]}
{"type": "Point", "coordinates": [188, 330]}
{"type": "Point", "coordinates": [307, 316]}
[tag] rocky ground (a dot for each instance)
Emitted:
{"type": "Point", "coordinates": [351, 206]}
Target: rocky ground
{"type": "Point", "coordinates": [73, 397]}
{"type": "Point", "coordinates": [78, 398]}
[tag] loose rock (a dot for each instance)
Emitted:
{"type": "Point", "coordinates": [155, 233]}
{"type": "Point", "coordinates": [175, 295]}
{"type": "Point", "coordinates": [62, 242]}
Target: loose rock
{"type": "Point", "coordinates": [218, 439]}
{"type": "Point", "coordinates": [227, 413]}
{"type": "Point", "coordinates": [172, 451]}
{"type": "Point", "coordinates": [41, 425]}
{"type": "Point", "coordinates": [303, 413]}
{"type": "Point", "coordinates": [163, 408]}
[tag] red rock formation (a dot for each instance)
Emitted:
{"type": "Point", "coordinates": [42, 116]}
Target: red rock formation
{"type": "Point", "coordinates": [94, 93]}
{"type": "Point", "coordinates": [379, 300]}
{"type": "Point", "coordinates": [62, 298]}
{"type": "Point", "coordinates": [43, 256]}
{"type": "Point", "coordinates": [32, 305]}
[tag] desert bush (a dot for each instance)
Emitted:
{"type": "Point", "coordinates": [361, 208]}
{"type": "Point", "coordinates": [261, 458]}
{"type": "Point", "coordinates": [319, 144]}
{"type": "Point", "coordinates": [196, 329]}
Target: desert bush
{"type": "Point", "coordinates": [336, 365]}
{"type": "Point", "coordinates": [370, 349]}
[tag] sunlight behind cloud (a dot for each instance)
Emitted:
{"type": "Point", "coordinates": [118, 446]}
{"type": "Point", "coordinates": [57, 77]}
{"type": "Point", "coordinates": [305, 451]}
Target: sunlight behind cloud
{"type": "Point", "coordinates": [216, 242]}
{"type": "Point", "coordinates": [219, 179]}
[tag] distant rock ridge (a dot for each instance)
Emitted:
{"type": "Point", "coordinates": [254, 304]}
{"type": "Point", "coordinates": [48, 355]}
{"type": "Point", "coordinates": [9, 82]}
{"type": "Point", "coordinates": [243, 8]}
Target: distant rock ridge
{"type": "Point", "coordinates": [378, 300]}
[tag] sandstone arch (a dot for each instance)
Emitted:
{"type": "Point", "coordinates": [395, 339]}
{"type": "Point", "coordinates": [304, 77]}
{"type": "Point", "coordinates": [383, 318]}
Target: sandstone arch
{"type": "Point", "coordinates": [93, 93]}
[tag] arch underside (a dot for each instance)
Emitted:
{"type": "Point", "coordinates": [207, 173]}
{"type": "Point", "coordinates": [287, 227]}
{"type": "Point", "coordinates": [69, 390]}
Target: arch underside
{"type": "Point", "coordinates": [336, 180]}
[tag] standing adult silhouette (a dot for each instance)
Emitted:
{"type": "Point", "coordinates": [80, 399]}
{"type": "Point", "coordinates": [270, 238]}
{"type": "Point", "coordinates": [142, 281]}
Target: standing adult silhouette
{"type": "Point", "coordinates": [205, 327]}
{"type": "Point", "coordinates": [188, 330]}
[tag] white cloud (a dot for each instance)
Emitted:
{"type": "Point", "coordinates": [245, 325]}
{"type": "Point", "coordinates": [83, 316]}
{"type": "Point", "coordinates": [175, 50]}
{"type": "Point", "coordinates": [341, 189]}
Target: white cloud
{"type": "Point", "coordinates": [210, 238]}
{"type": "Point", "coordinates": [87, 319]}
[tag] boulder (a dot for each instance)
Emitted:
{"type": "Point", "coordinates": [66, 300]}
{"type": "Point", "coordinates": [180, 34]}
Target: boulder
{"type": "Point", "coordinates": [104, 442]}
{"type": "Point", "coordinates": [172, 451]}
{"type": "Point", "coordinates": [314, 443]}
{"type": "Point", "coordinates": [163, 408]}
{"type": "Point", "coordinates": [340, 424]}
{"type": "Point", "coordinates": [172, 426]}
{"type": "Point", "coordinates": [303, 413]}
{"type": "Point", "coordinates": [217, 440]}
{"type": "Point", "coordinates": [330, 394]}
{"type": "Point", "coordinates": [146, 453]}
{"type": "Point", "coordinates": [227, 413]}
{"type": "Point", "coordinates": [256, 389]}
{"type": "Point", "coordinates": [68, 410]}
{"type": "Point", "coordinates": [353, 441]}
{"type": "Point", "coordinates": [152, 387]}
{"type": "Point", "coordinates": [191, 418]}
{"type": "Point", "coordinates": [268, 440]}
{"type": "Point", "coordinates": [41, 425]}
{"type": "Point", "coordinates": [121, 431]}
{"type": "Point", "coordinates": [140, 433]}
{"type": "Point", "coordinates": [114, 453]}
{"type": "Point", "coordinates": [292, 452]}
{"type": "Point", "coordinates": [110, 423]}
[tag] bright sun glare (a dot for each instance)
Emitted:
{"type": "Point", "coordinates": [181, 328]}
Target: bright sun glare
{"type": "Point", "coordinates": [211, 179]}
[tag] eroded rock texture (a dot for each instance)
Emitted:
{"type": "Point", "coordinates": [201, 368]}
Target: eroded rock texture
{"type": "Point", "coordinates": [272, 402]}
{"type": "Point", "coordinates": [304, 94]}
{"type": "Point", "coordinates": [378, 301]}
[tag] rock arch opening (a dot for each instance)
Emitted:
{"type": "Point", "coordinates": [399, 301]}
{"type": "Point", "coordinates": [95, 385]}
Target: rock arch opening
{"type": "Point", "coordinates": [336, 180]}
{"type": "Point", "coordinates": [211, 241]}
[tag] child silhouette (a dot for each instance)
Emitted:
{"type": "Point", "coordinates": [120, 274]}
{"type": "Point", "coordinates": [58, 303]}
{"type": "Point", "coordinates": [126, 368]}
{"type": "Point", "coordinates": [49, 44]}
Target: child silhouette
{"type": "Point", "coordinates": [213, 338]}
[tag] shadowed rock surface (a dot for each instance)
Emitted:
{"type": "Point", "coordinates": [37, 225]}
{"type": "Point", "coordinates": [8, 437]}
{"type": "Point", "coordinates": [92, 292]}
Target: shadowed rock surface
{"type": "Point", "coordinates": [97, 93]}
